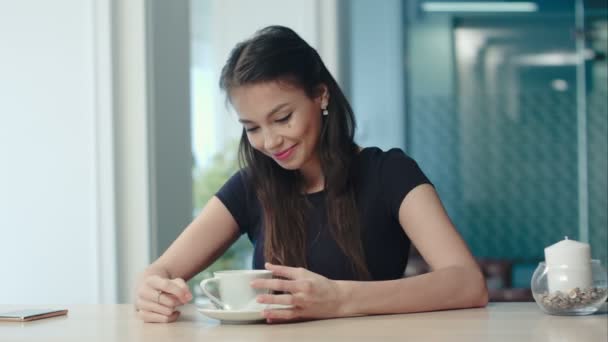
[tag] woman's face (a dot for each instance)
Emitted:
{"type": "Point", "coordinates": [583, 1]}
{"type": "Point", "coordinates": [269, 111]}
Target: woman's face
{"type": "Point", "coordinates": [281, 121]}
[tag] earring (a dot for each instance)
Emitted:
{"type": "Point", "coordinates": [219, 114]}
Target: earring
{"type": "Point", "coordinates": [325, 112]}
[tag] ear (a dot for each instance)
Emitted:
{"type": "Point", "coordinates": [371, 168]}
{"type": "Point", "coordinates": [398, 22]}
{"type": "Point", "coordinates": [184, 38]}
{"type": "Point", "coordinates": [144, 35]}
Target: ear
{"type": "Point", "coordinates": [322, 97]}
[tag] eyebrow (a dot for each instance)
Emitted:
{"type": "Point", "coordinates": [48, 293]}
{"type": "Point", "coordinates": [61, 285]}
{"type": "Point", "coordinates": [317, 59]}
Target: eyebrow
{"type": "Point", "coordinates": [272, 112]}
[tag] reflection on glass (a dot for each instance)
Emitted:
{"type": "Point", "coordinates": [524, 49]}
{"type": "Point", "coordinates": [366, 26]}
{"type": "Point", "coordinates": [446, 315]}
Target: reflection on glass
{"type": "Point", "coordinates": [496, 124]}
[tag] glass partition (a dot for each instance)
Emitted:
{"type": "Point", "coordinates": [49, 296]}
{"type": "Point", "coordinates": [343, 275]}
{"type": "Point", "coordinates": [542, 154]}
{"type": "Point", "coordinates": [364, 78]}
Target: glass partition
{"type": "Point", "coordinates": [506, 112]}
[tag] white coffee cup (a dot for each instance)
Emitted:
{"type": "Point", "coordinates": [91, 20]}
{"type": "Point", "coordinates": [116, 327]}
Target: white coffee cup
{"type": "Point", "coordinates": [235, 289]}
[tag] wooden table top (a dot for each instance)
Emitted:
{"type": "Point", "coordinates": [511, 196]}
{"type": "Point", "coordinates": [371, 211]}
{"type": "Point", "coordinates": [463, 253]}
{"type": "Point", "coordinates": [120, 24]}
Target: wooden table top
{"type": "Point", "coordinates": [498, 322]}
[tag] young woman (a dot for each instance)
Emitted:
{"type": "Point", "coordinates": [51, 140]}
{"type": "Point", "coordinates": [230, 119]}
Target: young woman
{"type": "Point", "coordinates": [333, 220]}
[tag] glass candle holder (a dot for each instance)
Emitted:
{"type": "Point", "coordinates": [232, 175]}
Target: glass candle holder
{"type": "Point", "coordinates": [569, 301]}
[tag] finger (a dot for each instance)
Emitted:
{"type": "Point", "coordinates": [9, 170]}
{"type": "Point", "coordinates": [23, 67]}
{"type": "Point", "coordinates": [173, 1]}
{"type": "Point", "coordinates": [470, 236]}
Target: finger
{"type": "Point", "coordinates": [275, 285]}
{"type": "Point", "coordinates": [169, 300]}
{"type": "Point", "coordinates": [281, 314]}
{"type": "Point", "coordinates": [165, 299]}
{"type": "Point", "coordinates": [154, 307]}
{"type": "Point", "coordinates": [285, 271]}
{"type": "Point", "coordinates": [284, 299]}
{"type": "Point", "coordinates": [182, 283]}
{"type": "Point", "coordinates": [153, 317]}
{"type": "Point", "coordinates": [168, 286]}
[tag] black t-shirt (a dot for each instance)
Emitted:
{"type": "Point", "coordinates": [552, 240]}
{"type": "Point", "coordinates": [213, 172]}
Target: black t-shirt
{"type": "Point", "coordinates": [384, 178]}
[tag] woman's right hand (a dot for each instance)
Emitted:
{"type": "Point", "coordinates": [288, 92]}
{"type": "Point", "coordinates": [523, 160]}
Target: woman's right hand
{"type": "Point", "coordinates": [158, 297]}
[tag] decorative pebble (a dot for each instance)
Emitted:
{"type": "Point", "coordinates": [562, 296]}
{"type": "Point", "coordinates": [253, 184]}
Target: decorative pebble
{"type": "Point", "coordinates": [575, 299]}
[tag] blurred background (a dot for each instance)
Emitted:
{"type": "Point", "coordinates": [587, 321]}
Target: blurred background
{"type": "Point", "coordinates": [114, 134]}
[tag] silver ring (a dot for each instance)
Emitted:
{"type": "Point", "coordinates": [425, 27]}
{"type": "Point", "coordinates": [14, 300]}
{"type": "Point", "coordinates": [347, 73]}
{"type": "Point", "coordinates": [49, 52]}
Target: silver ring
{"type": "Point", "coordinates": [158, 296]}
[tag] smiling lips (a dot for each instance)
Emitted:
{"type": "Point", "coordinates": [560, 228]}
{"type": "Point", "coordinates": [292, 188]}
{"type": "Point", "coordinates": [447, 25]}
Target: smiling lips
{"type": "Point", "coordinates": [285, 154]}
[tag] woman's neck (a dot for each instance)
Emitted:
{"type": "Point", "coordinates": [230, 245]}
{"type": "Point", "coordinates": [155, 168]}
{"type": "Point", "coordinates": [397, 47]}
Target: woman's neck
{"type": "Point", "coordinates": [314, 180]}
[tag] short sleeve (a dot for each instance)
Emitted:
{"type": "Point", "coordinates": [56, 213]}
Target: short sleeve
{"type": "Point", "coordinates": [237, 197]}
{"type": "Point", "coordinates": [399, 175]}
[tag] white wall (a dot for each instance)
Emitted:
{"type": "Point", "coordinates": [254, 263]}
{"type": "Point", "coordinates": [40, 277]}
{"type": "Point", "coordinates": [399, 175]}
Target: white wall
{"type": "Point", "coordinates": [75, 176]}
{"type": "Point", "coordinates": [48, 190]}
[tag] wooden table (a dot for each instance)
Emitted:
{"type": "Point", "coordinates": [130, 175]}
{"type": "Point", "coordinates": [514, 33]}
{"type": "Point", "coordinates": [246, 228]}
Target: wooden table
{"type": "Point", "coordinates": [518, 322]}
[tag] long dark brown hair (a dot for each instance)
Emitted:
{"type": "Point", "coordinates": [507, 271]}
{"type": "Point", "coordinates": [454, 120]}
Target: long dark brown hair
{"type": "Point", "coordinates": [277, 53]}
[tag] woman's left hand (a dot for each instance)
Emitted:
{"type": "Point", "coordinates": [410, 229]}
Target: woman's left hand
{"type": "Point", "coordinates": [310, 294]}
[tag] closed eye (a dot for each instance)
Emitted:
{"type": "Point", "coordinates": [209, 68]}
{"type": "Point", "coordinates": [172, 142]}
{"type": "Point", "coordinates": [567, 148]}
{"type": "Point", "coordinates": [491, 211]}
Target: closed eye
{"type": "Point", "coordinates": [285, 118]}
{"type": "Point", "coordinates": [251, 129]}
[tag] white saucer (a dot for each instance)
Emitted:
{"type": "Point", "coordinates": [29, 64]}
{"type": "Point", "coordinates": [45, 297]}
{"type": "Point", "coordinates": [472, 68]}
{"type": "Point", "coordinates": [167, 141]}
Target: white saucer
{"type": "Point", "coordinates": [237, 316]}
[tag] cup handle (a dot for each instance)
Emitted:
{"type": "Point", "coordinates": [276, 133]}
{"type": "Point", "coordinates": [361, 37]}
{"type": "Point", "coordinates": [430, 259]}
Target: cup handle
{"type": "Point", "coordinates": [211, 297]}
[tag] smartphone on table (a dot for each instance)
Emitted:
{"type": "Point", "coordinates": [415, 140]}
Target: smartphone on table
{"type": "Point", "coordinates": [30, 314]}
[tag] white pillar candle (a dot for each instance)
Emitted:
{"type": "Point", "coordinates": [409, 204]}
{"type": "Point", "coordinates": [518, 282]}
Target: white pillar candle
{"type": "Point", "coordinates": [568, 265]}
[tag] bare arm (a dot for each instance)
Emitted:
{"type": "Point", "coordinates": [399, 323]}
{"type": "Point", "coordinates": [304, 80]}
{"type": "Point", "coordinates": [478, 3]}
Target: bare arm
{"type": "Point", "coordinates": [455, 280]}
{"type": "Point", "coordinates": [200, 244]}
{"type": "Point", "coordinates": [162, 287]}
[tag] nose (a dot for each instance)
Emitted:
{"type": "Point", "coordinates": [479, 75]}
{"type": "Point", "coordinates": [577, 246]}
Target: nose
{"type": "Point", "coordinates": [272, 140]}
